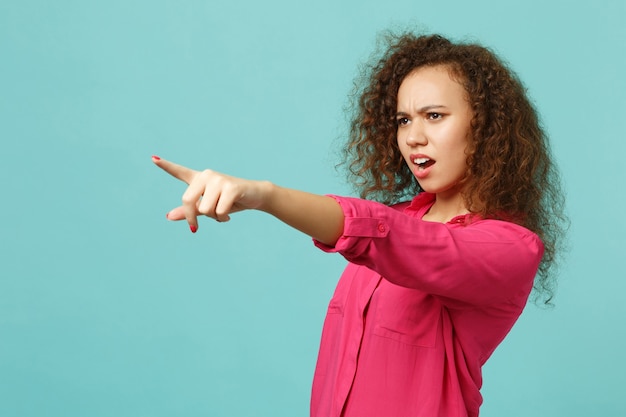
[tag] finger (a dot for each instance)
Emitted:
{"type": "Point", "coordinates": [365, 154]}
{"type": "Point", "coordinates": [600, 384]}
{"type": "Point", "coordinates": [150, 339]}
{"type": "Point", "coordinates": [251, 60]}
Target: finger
{"type": "Point", "coordinates": [191, 197]}
{"type": "Point", "coordinates": [209, 200]}
{"type": "Point", "coordinates": [178, 171]}
{"type": "Point", "coordinates": [225, 204]}
{"type": "Point", "coordinates": [176, 214]}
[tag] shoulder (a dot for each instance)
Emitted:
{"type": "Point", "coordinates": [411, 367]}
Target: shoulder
{"type": "Point", "coordinates": [500, 228]}
{"type": "Point", "coordinates": [500, 241]}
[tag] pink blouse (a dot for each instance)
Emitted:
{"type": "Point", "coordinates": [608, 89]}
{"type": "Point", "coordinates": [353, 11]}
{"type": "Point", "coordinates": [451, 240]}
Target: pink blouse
{"type": "Point", "coordinates": [419, 309]}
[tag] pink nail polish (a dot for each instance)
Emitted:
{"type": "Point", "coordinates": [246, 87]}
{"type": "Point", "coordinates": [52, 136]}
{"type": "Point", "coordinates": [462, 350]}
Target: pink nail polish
{"type": "Point", "coordinates": [193, 228]}
{"type": "Point", "coordinates": [156, 158]}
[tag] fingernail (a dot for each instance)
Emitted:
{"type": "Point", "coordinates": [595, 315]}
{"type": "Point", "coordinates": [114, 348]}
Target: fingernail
{"type": "Point", "coordinates": [167, 215]}
{"type": "Point", "coordinates": [193, 228]}
{"type": "Point", "coordinates": [156, 158]}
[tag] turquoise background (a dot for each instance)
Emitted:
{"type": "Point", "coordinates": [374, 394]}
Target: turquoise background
{"type": "Point", "coordinates": [107, 309]}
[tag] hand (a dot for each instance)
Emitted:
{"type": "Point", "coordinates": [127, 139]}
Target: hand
{"type": "Point", "coordinates": [211, 194]}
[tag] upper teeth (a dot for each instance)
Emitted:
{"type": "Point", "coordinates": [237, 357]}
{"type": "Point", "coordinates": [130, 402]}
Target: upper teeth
{"type": "Point", "coordinates": [420, 160]}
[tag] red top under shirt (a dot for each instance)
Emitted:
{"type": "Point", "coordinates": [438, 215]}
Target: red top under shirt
{"type": "Point", "coordinates": [419, 309]}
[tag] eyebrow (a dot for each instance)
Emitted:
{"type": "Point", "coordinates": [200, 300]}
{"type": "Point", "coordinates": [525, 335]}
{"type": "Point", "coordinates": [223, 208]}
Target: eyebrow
{"type": "Point", "coordinates": [424, 109]}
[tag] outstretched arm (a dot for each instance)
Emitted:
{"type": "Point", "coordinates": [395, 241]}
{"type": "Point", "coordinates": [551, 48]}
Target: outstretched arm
{"type": "Point", "coordinates": [216, 195]}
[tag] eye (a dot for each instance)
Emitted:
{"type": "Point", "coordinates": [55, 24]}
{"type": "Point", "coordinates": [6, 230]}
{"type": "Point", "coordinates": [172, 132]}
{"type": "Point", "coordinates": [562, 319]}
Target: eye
{"type": "Point", "coordinates": [434, 116]}
{"type": "Point", "coordinates": [402, 121]}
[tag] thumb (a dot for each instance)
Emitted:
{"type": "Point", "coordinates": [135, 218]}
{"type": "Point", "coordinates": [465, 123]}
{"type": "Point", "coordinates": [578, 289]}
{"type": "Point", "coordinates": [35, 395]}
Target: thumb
{"type": "Point", "coordinates": [176, 214]}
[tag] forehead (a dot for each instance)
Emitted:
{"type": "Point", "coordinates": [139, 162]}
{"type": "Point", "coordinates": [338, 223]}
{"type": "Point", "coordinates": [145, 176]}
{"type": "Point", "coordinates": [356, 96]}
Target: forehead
{"type": "Point", "coordinates": [431, 85]}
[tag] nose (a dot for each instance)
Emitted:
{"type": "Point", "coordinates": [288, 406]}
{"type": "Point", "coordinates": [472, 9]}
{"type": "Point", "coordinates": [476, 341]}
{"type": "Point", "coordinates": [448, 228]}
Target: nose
{"type": "Point", "coordinates": [415, 134]}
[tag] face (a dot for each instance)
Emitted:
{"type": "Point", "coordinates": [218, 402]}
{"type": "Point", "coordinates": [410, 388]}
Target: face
{"type": "Point", "coordinates": [433, 119]}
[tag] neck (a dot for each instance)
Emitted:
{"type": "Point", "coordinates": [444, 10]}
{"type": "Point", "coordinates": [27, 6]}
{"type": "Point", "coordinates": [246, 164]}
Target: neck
{"type": "Point", "coordinates": [445, 208]}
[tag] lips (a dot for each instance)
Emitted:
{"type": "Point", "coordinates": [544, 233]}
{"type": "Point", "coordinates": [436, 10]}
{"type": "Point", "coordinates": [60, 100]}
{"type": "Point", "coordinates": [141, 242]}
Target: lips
{"type": "Point", "coordinates": [423, 163]}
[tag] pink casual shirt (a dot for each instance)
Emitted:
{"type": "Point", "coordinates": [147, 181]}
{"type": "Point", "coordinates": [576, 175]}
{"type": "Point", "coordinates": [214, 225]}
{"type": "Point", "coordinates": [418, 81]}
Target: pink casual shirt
{"type": "Point", "coordinates": [419, 309]}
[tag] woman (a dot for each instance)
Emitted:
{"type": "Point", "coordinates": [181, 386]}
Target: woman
{"type": "Point", "coordinates": [435, 283]}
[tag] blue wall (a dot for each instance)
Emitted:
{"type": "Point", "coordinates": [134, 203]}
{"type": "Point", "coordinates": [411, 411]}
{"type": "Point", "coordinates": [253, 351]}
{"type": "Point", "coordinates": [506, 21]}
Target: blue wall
{"type": "Point", "coordinates": [107, 309]}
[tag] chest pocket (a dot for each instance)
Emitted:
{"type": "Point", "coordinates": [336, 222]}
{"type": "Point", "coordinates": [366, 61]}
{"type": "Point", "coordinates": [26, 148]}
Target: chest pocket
{"type": "Point", "coordinates": [405, 315]}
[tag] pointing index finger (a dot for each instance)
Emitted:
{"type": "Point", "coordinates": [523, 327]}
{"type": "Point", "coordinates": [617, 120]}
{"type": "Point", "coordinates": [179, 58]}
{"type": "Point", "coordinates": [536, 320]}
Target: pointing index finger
{"type": "Point", "coordinates": [177, 171]}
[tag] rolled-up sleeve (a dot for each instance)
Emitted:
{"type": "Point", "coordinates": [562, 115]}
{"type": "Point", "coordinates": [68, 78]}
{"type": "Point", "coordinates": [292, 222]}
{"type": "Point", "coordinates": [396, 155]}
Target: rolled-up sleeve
{"type": "Point", "coordinates": [484, 262]}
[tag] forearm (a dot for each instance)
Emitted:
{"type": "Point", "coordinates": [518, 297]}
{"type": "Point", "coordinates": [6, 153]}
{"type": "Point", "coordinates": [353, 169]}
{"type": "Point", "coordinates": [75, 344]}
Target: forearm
{"type": "Point", "coordinates": [484, 262]}
{"type": "Point", "coordinates": [320, 217]}
{"type": "Point", "coordinates": [217, 195]}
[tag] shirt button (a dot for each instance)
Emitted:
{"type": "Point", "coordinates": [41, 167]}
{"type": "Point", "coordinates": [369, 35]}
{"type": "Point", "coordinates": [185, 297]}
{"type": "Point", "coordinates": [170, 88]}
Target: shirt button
{"type": "Point", "coordinates": [381, 228]}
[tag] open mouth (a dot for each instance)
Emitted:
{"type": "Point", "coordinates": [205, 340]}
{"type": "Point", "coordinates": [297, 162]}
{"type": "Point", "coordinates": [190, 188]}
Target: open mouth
{"type": "Point", "coordinates": [423, 163]}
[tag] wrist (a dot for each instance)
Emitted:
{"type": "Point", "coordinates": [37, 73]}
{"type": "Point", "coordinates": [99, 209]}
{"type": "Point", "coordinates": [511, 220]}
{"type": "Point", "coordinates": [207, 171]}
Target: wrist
{"type": "Point", "coordinates": [268, 192]}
